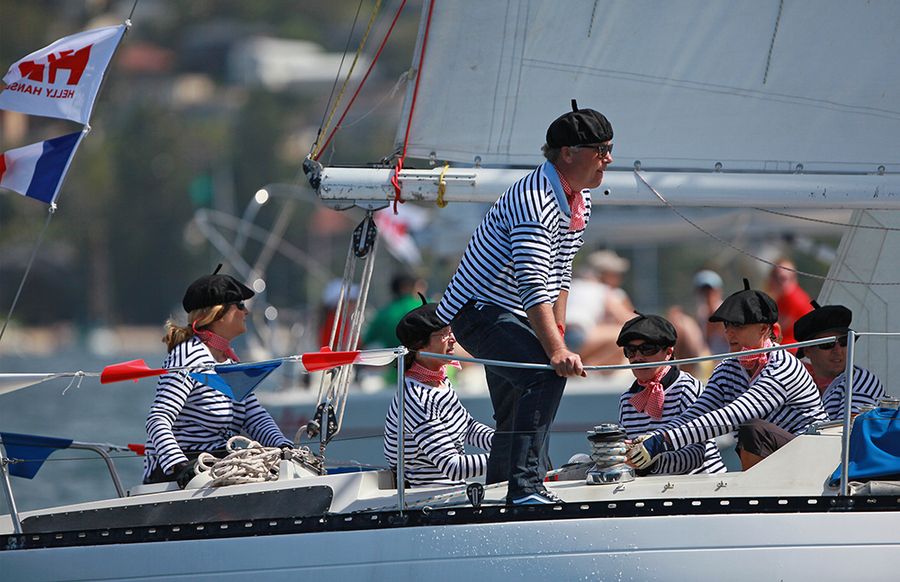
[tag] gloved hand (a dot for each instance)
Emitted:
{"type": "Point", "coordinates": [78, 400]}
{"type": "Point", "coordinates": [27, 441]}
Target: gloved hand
{"type": "Point", "coordinates": [646, 449]}
{"type": "Point", "coordinates": [184, 472]}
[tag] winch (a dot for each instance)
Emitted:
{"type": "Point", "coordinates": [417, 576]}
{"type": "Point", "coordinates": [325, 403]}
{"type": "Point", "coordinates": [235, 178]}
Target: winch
{"type": "Point", "coordinates": [608, 451]}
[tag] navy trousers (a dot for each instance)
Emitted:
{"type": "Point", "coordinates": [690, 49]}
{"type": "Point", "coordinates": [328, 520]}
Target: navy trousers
{"type": "Point", "coordinates": [525, 401]}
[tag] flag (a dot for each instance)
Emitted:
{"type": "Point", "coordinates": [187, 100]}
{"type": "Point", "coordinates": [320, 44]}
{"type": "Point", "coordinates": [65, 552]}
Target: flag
{"type": "Point", "coordinates": [237, 381]}
{"type": "Point", "coordinates": [37, 170]}
{"type": "Point", "coordinates": [30, 451]}
{"type": "Point", "coordinates": [63, 79]}
{"type": "Point", "coordinates": [395, 231]}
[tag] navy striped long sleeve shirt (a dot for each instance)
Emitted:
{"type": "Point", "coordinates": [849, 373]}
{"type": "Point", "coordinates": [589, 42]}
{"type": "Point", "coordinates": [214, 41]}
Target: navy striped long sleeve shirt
{"type": "Point", "coordinates": [521, 253]}
{"type": "Point", "coordinates": [681, 390]}
{"type": "Point", "coordinates": [867, 391]}
{"type": "Point", "coordinates": [188, 415]}
{"type": "Point", "coordinates": [783, 393]}
{"type": "Point", "coordinates": [436, 429]}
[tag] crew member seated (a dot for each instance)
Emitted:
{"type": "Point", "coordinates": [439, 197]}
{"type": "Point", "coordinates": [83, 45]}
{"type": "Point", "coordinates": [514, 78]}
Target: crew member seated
{"type": "Point", "coordinates": [768, 398]}
{"type": "Point", "coordinates": [187, 417]}
{"type": "Point", "coordinates": [828, 362]}
{"type": "Point", "coordinates": [660, 394]}
{"type": "Point", "coordinates": [436, 424]}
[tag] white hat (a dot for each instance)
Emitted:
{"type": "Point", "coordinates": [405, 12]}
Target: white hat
{"type": "Point", "coordinates": [608, 261]}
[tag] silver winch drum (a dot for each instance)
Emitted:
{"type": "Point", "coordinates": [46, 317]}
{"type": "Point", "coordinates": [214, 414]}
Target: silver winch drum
{"type": "Point", "coordinates": [608, 451]}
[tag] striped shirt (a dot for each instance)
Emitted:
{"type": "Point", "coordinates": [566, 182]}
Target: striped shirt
{"type": "Point", "coordinates": [681, 390]}
{"type": "Point", "coordinates": [867, 391]}
{"type": "Point", "coordinates": [521, 253]}
{"type": "Point", "coordinates": [783, 393]}
{"type": "Point", "coordinates": [436, 429]}
{"type": "Point", "coordinates": [188, 415]}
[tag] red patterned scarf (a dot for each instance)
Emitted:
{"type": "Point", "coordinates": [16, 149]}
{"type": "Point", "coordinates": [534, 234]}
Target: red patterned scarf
{"type": "Point", "coordinates": [652, 398]}
{"type": "Point", "coordinates": [576, 204]}
{"type": "Point", "coordinates": [215, 341]}
{"type": "Point", "coordinates": [422, 374]}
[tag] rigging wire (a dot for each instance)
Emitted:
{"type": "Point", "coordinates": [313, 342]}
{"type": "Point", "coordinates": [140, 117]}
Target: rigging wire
{"type": "Point", "coordinates": [371, 66]}
{"type": "Point", "coordinates": [831, 222]}
{"type": "Point", "coordinates": [349, 73]}
{"type": "Point", "coordinates": [412, 107]}
{"type": "Point", "coordinates": [742, 251]}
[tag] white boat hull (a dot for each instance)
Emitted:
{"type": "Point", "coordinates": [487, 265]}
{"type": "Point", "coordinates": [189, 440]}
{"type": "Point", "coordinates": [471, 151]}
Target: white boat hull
{"type": "Point", "coordinates": [755, 547]}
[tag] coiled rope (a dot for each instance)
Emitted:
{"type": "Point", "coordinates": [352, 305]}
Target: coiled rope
{"type": "Point", "coordinates": [252, 463]}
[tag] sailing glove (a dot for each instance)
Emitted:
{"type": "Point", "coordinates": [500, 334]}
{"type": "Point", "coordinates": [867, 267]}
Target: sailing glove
{"type": "Point", "coordinates": [184, 472]}
{"type": "Point", "coordinates": [647, 449]}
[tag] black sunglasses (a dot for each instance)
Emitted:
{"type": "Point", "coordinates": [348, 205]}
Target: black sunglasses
{"type": "Point", "coordinates": [240, 305]}
{"type": "Point", "coordinates": [600, 149]}
{"type": "Point", "coordinates": [645, 349]}
{"type": "Point", "coordinates": [841, 341]}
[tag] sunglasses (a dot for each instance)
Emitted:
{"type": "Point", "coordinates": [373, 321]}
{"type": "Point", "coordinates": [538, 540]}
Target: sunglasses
{"type": "Point", "coordinates": [602, 150]}
{"type": "Point", "coordinates": [841, 341]}
{"type": "Point", "coordinates": [645, 349]}
{"type": "Point", "coordinates": [445, 335]}
{"type": "Point", "coordinates": [240, 305]}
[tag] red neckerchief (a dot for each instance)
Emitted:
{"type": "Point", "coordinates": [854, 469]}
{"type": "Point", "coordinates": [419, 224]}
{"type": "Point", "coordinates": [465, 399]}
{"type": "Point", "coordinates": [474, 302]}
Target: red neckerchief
{"type": "Point", "coordinates": [215, 341]}
{"type": "Point", "coordinates": [748, 362]}
{"type": "Point", "coordinates": [422, 374]}
{"type": "Point", "coordinates": [576, 203]}
{"type": "Point", "coordinates": [652, 398]}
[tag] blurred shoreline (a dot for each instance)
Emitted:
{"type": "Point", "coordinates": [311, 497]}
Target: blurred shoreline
{"type": "Point", "coordinates": [46, 341]}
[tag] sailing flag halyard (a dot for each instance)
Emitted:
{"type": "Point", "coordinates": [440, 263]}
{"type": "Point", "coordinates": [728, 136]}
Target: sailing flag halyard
{"type": "Point", "coordinates": [37, 170]}
{"type": "Point", "coordinates": [63, 79]}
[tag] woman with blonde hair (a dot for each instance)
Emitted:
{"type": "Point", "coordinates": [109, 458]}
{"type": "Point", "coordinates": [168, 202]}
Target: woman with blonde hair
{"type": "Point", "coordinates": [188, 417]}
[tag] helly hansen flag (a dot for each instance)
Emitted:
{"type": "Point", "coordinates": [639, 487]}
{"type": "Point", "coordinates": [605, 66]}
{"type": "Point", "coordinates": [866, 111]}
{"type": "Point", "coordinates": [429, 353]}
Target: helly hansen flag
{"type": "Point", "coordinates": [62, 80]}
{"type": "Point", "coordinates": [37, 170]}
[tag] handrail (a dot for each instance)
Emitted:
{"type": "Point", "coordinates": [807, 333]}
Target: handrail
{"type": "Point", "coordinates": [845, 448]}
{"type": "Point", "coordinates": [99, 448]}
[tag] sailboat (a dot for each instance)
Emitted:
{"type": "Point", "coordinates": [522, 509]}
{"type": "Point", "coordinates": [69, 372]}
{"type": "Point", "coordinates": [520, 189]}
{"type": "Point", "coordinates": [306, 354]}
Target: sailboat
{"type": "Point", "coordinates": [777, 104]}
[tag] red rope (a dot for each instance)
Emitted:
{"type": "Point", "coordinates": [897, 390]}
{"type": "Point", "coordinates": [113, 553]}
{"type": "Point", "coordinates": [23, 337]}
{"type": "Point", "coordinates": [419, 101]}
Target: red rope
{"type": "Point", "coordinates": [363, 82]}
{"type": "Point", "coordinates": [412, 108]}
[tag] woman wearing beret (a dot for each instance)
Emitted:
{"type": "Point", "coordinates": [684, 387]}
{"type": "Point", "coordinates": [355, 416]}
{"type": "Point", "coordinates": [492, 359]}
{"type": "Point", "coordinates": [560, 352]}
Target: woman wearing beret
{"type": "Point", "coordinates": [767, 398]}
{"type": "Point", "coordinates": [187, 417]}
{"type": "Point", "coordinates": [660, 394]}
{"type": "Point", "coordinates": [436, 424]}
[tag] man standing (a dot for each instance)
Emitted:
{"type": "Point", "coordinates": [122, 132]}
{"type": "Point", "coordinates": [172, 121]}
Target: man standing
{"type": "Point", "coordinates": [828, 362]}
{"type": "Point", "coordinates": [507, 299]}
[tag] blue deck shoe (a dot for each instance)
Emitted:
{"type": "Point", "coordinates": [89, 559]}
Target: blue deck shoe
{"type": "Point", "coordinates": [543, 497]}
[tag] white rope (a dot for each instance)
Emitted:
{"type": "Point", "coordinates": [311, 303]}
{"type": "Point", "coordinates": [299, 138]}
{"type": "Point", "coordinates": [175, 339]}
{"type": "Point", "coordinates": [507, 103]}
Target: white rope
{"type": "Point", "coordinates": [252, 463]}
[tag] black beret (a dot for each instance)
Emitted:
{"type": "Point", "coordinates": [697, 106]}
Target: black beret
{"type": "Point", "coordinates": [747, 306]}
{"type": "Point", "coordinates": [831, 318]}
{"type": "Point", "coordinates": [653, 328]}
{"type": "Point", "coordinates": [215, 289]}
{"type": "Point", "coordinates": [579, 127]}
{"type": "Point", "coordinates": [415, 327]}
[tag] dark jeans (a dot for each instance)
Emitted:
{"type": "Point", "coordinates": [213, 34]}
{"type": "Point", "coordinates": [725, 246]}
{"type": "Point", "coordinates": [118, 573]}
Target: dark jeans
{"type": "Point", "coordinates": [525, 401]}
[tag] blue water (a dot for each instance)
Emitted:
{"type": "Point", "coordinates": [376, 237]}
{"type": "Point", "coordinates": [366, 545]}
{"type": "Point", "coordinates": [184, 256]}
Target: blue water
{"type": "Point", "coordinates": [115, 413]}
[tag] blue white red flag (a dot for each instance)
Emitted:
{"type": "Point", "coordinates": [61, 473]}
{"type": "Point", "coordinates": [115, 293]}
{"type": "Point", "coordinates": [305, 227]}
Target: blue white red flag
{"type": "Point", "coordinates": [37, 170]}
{"type": "Point", "coordinates": [62, 80]}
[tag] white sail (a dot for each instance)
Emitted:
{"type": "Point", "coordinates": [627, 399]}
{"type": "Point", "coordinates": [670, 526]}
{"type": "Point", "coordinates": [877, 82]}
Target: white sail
{"type": "Point", "coordinates": [754, 85]}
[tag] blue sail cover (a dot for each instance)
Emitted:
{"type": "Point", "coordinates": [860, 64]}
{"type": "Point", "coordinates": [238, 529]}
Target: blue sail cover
{"type": "Point", "coordinates": [874, 447]}
{"type": "Point", "coordinates": [29, 451]}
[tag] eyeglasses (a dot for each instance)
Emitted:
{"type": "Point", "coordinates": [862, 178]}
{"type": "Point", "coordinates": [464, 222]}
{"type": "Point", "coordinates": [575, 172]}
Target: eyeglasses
{"type": "Point", "coordinates": [841, 341]}
{"type": "Point", "coordinates": [601, 150]}
{"type": "Point", "coordinates": [645, 349]}
{"type": "Point", "coordinates": [239, 304]}
{"type": "Point", "coordinates": [445, 335]}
